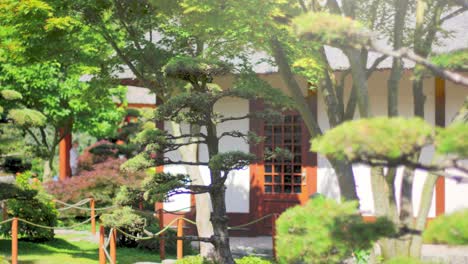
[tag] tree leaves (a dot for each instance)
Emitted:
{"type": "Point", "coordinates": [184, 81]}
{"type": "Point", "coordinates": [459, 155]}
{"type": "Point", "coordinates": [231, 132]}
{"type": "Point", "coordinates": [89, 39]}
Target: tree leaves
{"type": "Point", "coordinates": [27, 117]}
{"type": "Point", "coordinates": [379, 138]}
{"type": "Point", "coordinates": [330, 29]}
{"type": "Point", "coordinates": [391, 141]}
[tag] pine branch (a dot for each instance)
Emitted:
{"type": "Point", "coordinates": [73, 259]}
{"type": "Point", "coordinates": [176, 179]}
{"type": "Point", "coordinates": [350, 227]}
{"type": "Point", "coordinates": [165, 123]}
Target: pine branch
{"type": "Point", "coordinates": [454, 14]}
{"type": "Point", "coordinates": [410, 55]}
{"type": "Point", "coordinates": [222, 120]}
{"type": "Point", "coordinates": [183, 136]}
{"type": "Point", "coordinates": [176, 146]}
{"type": "Point", "coordinates": [234, 134]}
{"type": "Point", "coordinates": [374, 65]}
{"type": "Point", "coordinates": [168, 161]}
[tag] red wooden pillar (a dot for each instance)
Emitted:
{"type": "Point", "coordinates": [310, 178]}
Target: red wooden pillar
{"type": "Point", "coordinates": [440, 121]}
{"type": "Point", "coordinates": [64, 156]}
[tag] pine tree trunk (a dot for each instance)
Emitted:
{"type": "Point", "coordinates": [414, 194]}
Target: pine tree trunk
{"type": "Point", "coordinates": [47, 173]}
{"type": "Point", "coordinates": [219, 220]}
{"type": "Point", "coordinates": [345, 175]}
{"type": "Point", "coordinates": [424, 207]}
{"type": "Point", "coordinates": [202, 201]}
{"type": "Point", "coordinates": [204, 226]}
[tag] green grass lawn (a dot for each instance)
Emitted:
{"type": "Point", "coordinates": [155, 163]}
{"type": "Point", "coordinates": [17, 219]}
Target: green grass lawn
{"type": "Point", "coordinates": [70, 249]}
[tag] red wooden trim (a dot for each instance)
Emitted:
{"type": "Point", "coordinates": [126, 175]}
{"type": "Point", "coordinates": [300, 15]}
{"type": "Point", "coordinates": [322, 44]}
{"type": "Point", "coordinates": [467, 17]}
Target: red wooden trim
{"type": "Point", "coordinates": [255, 184]}
{"type": "Point", "coordinates": [132, 105]}
{"type": "Point", "coordinates": [440, 102]}
{"type": "Point", "coordinates": [64, 156]}
{"type": "Point", "coordinates": [440, 196]}
{"type": "Point", "coordinates": [132, 82]}
{"type": "Point", "coordinates": [371, 219]}
{"type": "Point", "coordinates": [311, 157]}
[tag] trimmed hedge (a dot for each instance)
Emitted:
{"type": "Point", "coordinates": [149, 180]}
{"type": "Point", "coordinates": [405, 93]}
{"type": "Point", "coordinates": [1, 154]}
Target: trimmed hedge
{"type": "Point", "coordinates": [451, 229]}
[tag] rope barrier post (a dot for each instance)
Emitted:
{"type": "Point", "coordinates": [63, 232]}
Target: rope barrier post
{"type": "Point", "coordinates": [273, 233]}
{"type": "Point", "coordinates": [180, 241]}
{"type": "Point", "coordinates": [162, 242]}
{"type": "Point", "coordinates": [102, 255]}
{"type": "Point", "coordinates": [14, 241]}
{"type": "Point", "coordinates": [93, 216]}
{"type": "Point", "coordinates": [113, 246]}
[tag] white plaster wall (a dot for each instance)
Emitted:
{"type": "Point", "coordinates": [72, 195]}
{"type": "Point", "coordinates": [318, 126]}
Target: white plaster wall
{"type": "Point", "coordinates": [179, 201]}
{"type": "Point", "coordinates": [455, 192]}
{"type": "Point", "coordinates": [238, 182]}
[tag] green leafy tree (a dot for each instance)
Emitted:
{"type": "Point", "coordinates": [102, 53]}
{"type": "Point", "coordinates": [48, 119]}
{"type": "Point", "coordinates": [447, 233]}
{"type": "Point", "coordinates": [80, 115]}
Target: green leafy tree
{"type": "Point", "coordinates": [274, 26]}
{"type": "Point", "coordinates": [269, 26]}
{"type": "Point", "coordinates": [44, 56]}
{"type": "Point", "coordinates": [145, 36]}
{"type": "Point", "coordinates": [12, 112]}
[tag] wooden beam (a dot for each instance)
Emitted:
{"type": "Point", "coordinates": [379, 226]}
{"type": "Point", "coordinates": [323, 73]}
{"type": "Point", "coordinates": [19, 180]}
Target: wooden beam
{"type": "Point", "coordinates": [311, 157]}
{"type": "Point", "coordinates": [440, 103]}
{"type": "Point", "coordinates": [135, 105]}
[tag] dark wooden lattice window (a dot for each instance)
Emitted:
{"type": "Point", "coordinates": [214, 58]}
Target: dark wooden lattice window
{"type": "Point", "coordinates": [284, 176]}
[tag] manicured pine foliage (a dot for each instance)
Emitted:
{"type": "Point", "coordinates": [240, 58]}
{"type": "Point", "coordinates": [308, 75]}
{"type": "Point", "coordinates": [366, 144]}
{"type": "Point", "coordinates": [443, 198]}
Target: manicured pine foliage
{"type": "Point", "coordinates": [392, 143]}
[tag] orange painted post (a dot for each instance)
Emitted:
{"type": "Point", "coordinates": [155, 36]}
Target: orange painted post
{"type": "Point", "coordinates": [14, 241]}
{"type": "Point", "coordinates": [64, 156]}
{"type": "Point", "coordinates": [93, 216]}
{"type": "Point", "coordinates": [273, 233]}
{"type": "Point", "coordinates": [102, 255]}
{"type": "Point", "coordinates": [113, 246]}
{"type": "Point", "coordinates": [180, 241]}
{"type": "Point", "coordinates": [162, 242]}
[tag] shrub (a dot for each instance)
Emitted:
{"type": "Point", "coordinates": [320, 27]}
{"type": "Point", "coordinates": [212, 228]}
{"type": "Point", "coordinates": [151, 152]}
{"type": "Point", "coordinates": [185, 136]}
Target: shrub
{"type": "Point", "coordinates": [252, 260]}
{"type": "Point", "coordinates": [39, 209]}
{"type": "Point", "coordinates": [133, 222]}
{"type": "Point", "coordinates": [16, 164]}
{"type": "Point", "coordinates": [96, 153]}
{"type": "Point", "coordinates": [324, 231]}
{"type": "Point", "coordinates": [102, 183]}
{"type": "Point", "coordinates": [126, 220]}
{"type": "Point", "coordinates": [404, 260]}
{"type": "Point", "coordinates": [3, 260]}
{"type": "Point", "coordinates": [449, 229]}
{"type": "Point", "coordinates": [193, 260]}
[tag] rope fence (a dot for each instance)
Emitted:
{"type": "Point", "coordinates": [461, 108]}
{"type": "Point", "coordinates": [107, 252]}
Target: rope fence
{"type": "Point", "coordinates": [82, 202]}
{"type": "Point", "coordinates": [111, 240]}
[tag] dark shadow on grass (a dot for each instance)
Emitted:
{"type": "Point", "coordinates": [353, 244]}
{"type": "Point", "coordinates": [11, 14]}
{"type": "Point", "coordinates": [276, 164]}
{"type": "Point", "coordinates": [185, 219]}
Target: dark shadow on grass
{"type": "Point", "coordinates": [55, 246]}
